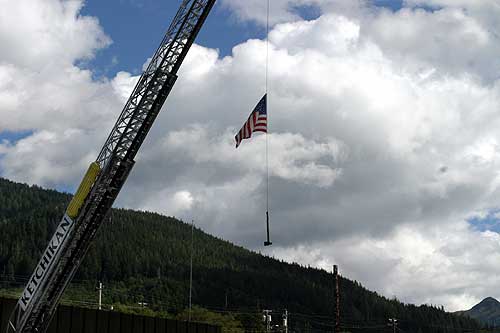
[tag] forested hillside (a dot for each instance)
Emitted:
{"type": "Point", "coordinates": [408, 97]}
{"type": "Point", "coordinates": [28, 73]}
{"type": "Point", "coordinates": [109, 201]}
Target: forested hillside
{"type": "Point", "coordinates": [144, 257]}
{"type": "Point", "coordinates": [487, 312]}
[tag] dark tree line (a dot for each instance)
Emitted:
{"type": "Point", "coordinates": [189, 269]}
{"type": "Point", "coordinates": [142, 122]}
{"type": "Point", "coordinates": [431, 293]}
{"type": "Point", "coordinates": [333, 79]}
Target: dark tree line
{"type": "Point", "coordinates": [144, 257]}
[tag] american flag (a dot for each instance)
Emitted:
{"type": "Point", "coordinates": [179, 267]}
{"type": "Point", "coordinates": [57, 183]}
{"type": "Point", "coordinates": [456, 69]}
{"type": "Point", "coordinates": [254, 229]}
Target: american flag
{"type": "Point", "coordinates": [257, 122]}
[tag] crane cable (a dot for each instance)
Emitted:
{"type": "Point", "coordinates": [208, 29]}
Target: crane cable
{"type": "Point", "coordinates": [268, 242]}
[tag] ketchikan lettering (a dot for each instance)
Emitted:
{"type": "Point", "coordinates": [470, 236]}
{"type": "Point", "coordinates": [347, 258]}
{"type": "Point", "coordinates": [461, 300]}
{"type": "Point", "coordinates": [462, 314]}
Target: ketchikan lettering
{"type": "Point", "coordinates": [46, 262]}
{"type": "Point", "coordinates": [65, 223]}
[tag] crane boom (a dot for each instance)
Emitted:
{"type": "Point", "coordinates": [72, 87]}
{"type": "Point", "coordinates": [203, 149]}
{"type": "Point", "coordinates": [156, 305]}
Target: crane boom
{"type": "Point", "coordinates": [106, 176]}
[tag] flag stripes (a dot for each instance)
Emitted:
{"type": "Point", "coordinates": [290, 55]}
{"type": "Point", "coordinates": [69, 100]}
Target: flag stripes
{"type": "Point", "coordinates": [257, 122]}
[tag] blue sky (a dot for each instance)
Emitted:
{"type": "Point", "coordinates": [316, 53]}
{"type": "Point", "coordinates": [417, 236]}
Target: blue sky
{"type": "Point", "coordinates": [489, 222]}
{"type": "Point", "coordinates": [136, 28]}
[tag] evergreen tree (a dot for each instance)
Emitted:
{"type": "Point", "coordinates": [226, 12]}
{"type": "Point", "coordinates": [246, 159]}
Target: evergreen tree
{"type": "Point", "coordinates": [143, 257]}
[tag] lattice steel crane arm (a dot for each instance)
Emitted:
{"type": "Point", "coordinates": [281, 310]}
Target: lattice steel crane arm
{"type": "Point", "coordinates": [106, 176]}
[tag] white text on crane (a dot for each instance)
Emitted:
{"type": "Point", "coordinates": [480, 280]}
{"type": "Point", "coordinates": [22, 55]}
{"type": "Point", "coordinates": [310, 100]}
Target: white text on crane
{"type": "Point", "coordinates": [45, 265]}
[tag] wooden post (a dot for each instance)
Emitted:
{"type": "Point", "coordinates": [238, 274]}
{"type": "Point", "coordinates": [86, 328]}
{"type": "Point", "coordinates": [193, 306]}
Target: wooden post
{"type": "Point", "coordinates": [337, 299]}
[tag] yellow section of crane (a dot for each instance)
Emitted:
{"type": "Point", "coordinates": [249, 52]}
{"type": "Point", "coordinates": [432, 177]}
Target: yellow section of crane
{"type": "Point", "coordinates": [83, 190]}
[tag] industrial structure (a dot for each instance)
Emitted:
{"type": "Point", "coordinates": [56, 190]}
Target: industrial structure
{"type": "Point", "coordinates": [106, 176]}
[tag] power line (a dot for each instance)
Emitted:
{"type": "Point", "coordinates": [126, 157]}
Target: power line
{"type": "Point", "coordinates": [323, 320]}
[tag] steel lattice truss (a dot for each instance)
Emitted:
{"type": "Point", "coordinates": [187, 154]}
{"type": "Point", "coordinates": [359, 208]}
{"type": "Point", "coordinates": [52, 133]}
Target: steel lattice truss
{"type": "Point", "coordinates": [116, 160]}
{"type": "Point", "coordinates": [161, 70]}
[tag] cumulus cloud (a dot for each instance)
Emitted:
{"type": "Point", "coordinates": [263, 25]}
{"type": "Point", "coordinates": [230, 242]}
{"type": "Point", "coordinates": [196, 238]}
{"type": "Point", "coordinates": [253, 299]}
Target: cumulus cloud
{"type": "Point", "coordinates": [282, 11]}
{"type": "Point", "coordinates": [450, 40]}
{"type": "Point", "coordinates": [42, 91]}
{"type": "Point", "coordinates": [169, 202]}
{"type": "Point", "coordinates": [55, 30]}
{"type": "Point", "coordinates": [293, 158]}
{"type": "Point", "coordinates": [383, 143]}
{"type": "Point", "coordinates": [48, 157]}
{"type": "Point", "coordinates": [437, 265]}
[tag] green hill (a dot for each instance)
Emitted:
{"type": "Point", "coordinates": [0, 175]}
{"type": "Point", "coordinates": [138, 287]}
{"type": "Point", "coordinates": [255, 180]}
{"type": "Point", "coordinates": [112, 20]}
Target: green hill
{"type": "Point", "coordinates": [487, 312]}
{"type": "Point", "coordinates": [143, 257]}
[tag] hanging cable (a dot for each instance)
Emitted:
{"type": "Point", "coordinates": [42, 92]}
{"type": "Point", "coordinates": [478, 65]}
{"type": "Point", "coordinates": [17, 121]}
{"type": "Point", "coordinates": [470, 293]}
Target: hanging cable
{"type": "Point", "coordinates": [268, 241]}
{"type": "Point", "coordinates": [267, 45]}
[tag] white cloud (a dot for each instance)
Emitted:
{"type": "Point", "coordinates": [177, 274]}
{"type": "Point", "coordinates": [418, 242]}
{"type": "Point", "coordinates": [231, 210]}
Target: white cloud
{"type": "Point", "coordinates": [48, 157]}
{"type": "Point", "coordinates": [383, 141]}
{"type": "Point", "coordinates": [43, 91]}
{"type": "Point", "coordinates": [282, 11]}
{"type": "Point", "coordinates": [490, 4]}
{"type": "Point", "coordinates": [438, 265]}
{"type": "Point", "coordinates": [170, 203]}
{"type": "Point", "coordinates": [451, 40]}
{"type": "Point", "coordinates": [293, 157]}
{"type": "Point", "coordinates": [54, 31]}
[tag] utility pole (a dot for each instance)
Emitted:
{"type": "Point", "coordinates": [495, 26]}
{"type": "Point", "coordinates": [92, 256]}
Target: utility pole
{"type": "Point", "coordinates": [393, 322]}
{"type": "Point", "coordinates": [191, 272]}
{"type": "Point", "coordinates": [337, 299]}
{"type": "Point", "coordinates": [267, 319]}
{"type": "Point", "coordinates": [285, 321]}
{"type": "Point", "coordinates": [99, 293]}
